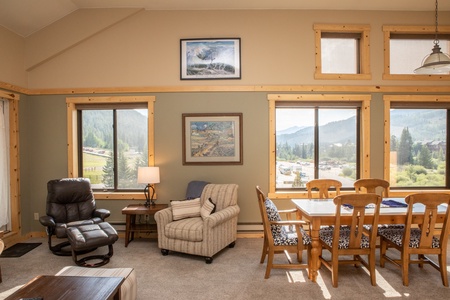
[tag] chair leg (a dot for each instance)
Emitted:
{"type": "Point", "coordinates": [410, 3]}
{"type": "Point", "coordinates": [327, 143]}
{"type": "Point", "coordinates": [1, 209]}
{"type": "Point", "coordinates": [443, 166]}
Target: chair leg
{"type": "Point", "coordinates": [442, 268]}
{"type": "Point", "coordinates": [405, 268]}
{"type": "Point", "coordinates": [373, 278]}
{"type": "Point", "coordinates": [264, 251]}
{"type": "Point", "coordinates": [269, 263]}
{"type": "Point", "coordinates": [334, 271]}
{"type": "Point", "coordinates": [383, 248]}
{"type": "Point", "coordinates": [421, 258]}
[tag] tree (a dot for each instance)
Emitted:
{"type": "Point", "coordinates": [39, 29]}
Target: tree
{"type": "Point", "coordinates": [394, 143]}
{"type": "Point", "coordinates": [108, 172]}
{"type": "Point", "coordinates": [405, 148]}
{"type": "Point", "coordinates": [425, 157]}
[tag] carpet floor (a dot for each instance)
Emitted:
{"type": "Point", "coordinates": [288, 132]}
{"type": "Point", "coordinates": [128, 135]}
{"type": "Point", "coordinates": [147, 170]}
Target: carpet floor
{"type": "Point", "coordinates": [234, 274]}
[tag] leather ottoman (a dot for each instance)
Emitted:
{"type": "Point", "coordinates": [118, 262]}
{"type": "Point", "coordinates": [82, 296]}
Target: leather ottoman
{"type": "Point", "coordinates": [92, 236]}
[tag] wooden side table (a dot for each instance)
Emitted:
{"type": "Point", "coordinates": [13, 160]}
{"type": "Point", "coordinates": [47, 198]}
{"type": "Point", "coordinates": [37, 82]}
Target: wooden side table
{"type": "Point", "coordinates": [131, 211]}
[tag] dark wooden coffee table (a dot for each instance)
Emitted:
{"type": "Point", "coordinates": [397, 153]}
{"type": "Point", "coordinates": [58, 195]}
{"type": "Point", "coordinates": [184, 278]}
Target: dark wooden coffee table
{"type": "Point", "coordinates": [70, 288]}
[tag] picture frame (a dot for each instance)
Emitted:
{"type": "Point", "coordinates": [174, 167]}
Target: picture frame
{"type": "Point", "coordinates": [212, 139]}
{"type": "Point", "coordinates": [210, 58]}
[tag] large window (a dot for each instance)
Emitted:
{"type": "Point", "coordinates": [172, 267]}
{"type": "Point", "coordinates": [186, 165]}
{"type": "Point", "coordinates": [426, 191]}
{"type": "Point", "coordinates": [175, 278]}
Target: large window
{"type": "Point", "coordinates": [405, 48]}
{"type": "Point", "coordinates": [418, 156]}
{"type": "Point", "coordinates": [317, 136]}
{"type": "Point", "coordinates": [111, 138]}
{"type": "Point", "coordinates": [342, 51]}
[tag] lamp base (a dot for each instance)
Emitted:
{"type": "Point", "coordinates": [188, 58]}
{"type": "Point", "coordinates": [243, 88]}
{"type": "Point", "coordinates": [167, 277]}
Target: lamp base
{"type": "Point", "coordinates": [149, 199]}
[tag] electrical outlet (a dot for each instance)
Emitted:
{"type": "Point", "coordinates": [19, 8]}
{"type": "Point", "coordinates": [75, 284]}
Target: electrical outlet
{"type": "Point", "coordinates": [36, 216]}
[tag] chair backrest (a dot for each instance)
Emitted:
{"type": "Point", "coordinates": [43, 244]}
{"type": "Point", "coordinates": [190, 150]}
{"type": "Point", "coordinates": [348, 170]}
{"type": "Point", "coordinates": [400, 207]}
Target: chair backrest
{"type": "Point", "coordinates": [70, 199]}
{"type": "Point", "coordinates": [195, 189]}
{"type": "Point", "coordinates": [222, 195]}
{"type": "Point", "coordinates": [431, 201]}
{"type": "Point", "coordinates": [372, 185]}
{"type": "Point", "coordinates": [269, 230]}
{"type": "Point", "coordinates": [356, 203]}
{"type": "Point", "coordinates": [323, 186]}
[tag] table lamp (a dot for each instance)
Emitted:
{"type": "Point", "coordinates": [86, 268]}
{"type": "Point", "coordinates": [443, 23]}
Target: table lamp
{"type": "Point", "coordinates": [149, 176]}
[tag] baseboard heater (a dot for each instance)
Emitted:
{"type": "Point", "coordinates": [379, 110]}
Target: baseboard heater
{"type": "Point", "coordinates": [242, 227]}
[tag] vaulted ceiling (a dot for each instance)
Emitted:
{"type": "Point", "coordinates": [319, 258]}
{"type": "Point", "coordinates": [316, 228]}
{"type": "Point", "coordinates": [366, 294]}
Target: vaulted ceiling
{"type": "Point", "coordinates": [24, 17]}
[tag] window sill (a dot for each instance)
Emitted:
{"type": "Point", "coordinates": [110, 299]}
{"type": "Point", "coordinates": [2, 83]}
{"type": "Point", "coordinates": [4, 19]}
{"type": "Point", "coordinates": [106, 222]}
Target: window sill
{"type": "Point", "coordinates": [342, 76]}
{"type": "Point", "coordinates": [119, 196]}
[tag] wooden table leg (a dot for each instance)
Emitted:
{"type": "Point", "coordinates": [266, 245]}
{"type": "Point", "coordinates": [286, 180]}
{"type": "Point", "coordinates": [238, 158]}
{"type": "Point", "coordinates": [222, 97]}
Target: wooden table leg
{"type": "Point", "coordinates": [315, 250]}
{"type": "Point", "coordinates": [127, 230]}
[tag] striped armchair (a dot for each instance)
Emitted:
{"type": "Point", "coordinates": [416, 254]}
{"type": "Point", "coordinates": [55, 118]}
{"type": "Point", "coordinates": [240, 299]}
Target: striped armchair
{"type": "Point", "coordinates": [210, 229]}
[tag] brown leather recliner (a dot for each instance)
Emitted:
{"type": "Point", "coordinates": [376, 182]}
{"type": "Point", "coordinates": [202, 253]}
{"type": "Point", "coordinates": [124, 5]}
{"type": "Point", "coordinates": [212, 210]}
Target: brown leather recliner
{"type": "Point", "coordinates": [70, 203]}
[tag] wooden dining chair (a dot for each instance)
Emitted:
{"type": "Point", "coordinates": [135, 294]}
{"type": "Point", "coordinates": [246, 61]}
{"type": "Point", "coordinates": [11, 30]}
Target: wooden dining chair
{"type": "Point", "coordinates": [351, 239]}
{"type": "Point", "coordinates": [377, 186]}
{"type": "Point", "coordinates": [422, 241]}
{"type": "Point", "coordinates": [322, 186]}
{"type": "Point", "coordinates": [278, 239]}
{"type": "Point", "coordinates": [372, 185]}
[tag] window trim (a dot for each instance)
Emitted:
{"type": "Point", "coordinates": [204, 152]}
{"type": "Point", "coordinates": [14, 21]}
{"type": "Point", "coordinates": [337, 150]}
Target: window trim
{"type": "Point", "coordinates": [412, 30]}
{"type": "Point", "coordinates": [364, 46]}
{"type": "Point", "coordinates": [365, 133]}
{"type": "Point", "coordinates": [14, 170]}
{"type": "Point", "coordinates": [387, 134]}
{"type": "Point", "coordinates": [72, 137]}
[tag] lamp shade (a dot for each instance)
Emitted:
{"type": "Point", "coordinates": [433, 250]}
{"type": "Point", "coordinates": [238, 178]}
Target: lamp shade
{"type": "Point", "coordinates": [148, 175]}
{"type": "Point", "coordinates": [436, 63]}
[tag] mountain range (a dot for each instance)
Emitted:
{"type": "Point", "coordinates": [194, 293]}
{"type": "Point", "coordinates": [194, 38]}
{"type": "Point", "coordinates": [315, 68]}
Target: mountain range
{"type": "Point", "coordinates": [423, 125]}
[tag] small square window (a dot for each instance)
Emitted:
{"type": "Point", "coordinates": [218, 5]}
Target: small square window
{"type": "Point", "coordinates": [342, 52]}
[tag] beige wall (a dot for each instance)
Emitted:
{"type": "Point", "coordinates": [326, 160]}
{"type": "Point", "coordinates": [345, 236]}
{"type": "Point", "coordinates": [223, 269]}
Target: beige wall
{"type": "Point", "coordinates": [134, 48]}
{"type": "Point", "coordinates": [12, 56]}
{"type": "Point", "coordinates": [138, 48]}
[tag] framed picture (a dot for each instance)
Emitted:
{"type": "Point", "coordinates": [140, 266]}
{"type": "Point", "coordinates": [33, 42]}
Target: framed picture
{"type": "Point", "coordinates": [210, 58]}
{"type": "Point", "coordinates": [212, 139]}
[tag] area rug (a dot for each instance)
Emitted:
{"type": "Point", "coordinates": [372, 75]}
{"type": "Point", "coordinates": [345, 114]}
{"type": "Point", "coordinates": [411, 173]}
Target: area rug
{"type": "Point", "coordinates": [19, 249]}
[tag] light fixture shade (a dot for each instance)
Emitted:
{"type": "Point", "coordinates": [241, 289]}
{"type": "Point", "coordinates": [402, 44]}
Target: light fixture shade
{"type": "Point", "coordinates": [435, 63]}
{"type": "Point", "coordinates": [148, 175]}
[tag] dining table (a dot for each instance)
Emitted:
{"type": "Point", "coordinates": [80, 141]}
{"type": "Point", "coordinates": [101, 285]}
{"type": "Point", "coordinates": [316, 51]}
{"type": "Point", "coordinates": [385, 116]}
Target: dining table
{"type": "Point", "coordinates": [322, 212]}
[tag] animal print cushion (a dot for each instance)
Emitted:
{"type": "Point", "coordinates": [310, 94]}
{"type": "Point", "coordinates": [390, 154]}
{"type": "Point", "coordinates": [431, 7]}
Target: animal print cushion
{"type": "Point", "coordinates": [396, 237]}
{"type": "Point", "coordinates": [326, 235]}
{"type": "Point", "coordinates": [280, 235]}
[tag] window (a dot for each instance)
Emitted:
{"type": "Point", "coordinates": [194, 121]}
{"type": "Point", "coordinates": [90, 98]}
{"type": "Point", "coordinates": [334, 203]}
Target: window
{"type": "Point", "coordinates": [417, 153]}
{"type": "Point", "coordinates": [342, 51]}
{"type": "Point", "coordinates": [407, 46]}
{"type": "Point", "coordinates": [111, 137]}
{"type": "Point", "coordinates": [317, 136]}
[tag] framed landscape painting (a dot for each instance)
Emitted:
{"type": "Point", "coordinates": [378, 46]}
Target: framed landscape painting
{"type": "Point", "coordinates": [210, 58]}
{"type": "Point", "coordinates": [212, 139]}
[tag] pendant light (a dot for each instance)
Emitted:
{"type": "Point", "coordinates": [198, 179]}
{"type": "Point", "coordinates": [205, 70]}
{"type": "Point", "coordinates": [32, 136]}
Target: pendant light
{"type": "Point", "coordinates": [437, 62]}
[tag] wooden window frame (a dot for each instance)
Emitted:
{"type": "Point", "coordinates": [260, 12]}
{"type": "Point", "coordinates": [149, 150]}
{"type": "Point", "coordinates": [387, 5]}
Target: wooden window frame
{"type": "Point", "coordinates": [364, 55]}
{"type": "Point", "coordinates": [14, 235]}
{"type": "Point", "coordinates": [412, 30]}
{"type": "Point", "coordinates": [72, 137]}
{"type": "Point", "coordinates": [364, 138]}
{"type": "Point", "coordinates": [387, 134]}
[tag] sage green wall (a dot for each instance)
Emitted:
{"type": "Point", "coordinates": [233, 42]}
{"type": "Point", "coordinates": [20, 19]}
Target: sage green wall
{"type": "Point", "coordinates": [43, 150]}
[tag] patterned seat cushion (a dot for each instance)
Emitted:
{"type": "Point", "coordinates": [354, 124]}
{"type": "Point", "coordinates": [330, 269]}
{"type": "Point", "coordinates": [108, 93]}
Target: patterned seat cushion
{"type": "Point", "coordinates": [326, 235]}
{"type": "Point", "coordinates": [396, 237]}
{"type": "Point", "coordinates": [281, 235]}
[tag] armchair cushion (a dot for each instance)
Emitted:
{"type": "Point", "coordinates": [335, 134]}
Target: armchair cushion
{"type": "Point", "coordinates": [207, 208]}
{"type": "Point", "coordinates": [189, 229]}
{"type": "Point", "coordinates": [186, 209]}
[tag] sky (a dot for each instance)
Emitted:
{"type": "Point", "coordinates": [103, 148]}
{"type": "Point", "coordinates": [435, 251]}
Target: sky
{"type": "Point", "coordinates": [287, 118]}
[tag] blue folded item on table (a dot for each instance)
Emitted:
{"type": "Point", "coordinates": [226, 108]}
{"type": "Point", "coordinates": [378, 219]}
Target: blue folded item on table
{"type": "Point", "coordinates": [393, 203]}
{"type": "Point", "coordinates": [384, 203]}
